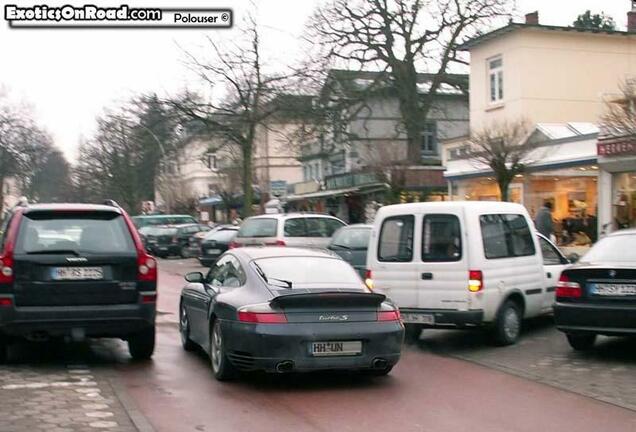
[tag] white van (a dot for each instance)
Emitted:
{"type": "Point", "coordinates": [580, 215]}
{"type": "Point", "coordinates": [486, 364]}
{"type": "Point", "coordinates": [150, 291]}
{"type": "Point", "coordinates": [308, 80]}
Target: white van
{"type": "Point", "coordinates": [463, 264]}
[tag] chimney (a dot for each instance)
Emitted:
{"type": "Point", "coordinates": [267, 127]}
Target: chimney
{"type": "Point", "coordinates": [631, 18]}
{"type": "Point", "coordinates": [532, 18]}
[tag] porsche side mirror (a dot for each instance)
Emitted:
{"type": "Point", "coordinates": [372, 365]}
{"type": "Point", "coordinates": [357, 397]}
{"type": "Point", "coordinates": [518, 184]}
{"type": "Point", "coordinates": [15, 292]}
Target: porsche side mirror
{"type": "Point", "coordinates": [194, 277]}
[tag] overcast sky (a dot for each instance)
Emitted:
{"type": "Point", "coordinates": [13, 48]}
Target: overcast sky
{"type": "Point", "coordinates": [69, 76]}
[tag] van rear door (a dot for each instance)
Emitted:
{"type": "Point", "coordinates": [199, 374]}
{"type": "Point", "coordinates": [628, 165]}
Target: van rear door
{"type": "Point", "coordinates": [390, 259]}
{"type": "Point", "coordinates": [442, 262]}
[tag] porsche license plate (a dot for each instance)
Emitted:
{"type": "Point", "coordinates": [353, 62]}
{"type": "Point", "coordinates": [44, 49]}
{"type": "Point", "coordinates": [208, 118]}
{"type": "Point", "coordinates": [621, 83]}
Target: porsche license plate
{"type": "Point", "coordinates": [324, 349]}
{"type": "Point", "coordinates": [418, 318]}
{"type": "Point", "coordinates": [77, 273]}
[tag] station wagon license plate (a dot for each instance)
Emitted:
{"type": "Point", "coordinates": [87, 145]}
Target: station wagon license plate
{"type": "Point", "coordinates": [77, 273]}
{"type": "Point", "coordinates": [213, 251]}
{"type": "Point", "coordinates": [324, 349]}
{"type": "Point", "coordinates": [618, 290]}
{"type": "Point", "coordinates": [418, 318]}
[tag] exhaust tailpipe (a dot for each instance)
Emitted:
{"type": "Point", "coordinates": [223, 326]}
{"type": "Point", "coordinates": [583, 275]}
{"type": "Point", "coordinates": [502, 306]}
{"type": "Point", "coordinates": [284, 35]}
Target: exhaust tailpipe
{"type": "Point", "coordinates": [285, 366]}
{"type": "Point", "coordinates": [380, 363]}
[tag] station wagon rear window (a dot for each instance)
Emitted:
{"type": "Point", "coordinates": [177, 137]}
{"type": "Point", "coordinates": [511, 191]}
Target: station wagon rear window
{"type": "Point", "coordinates": [506, 236]}
{"type": "Point", "coordinates": [258, 227]}
{"type": "Point", "coordinates": [53, 232]}
{"type": "Point", "coordinates": [396, 239]}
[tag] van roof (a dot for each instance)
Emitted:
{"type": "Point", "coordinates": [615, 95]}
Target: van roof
{"type": "Point", "coordinates": [476, 206]}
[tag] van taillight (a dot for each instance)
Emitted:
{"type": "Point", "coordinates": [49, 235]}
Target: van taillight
{"type": "Point", "coordinates": [567, 289]}
{"type": "Point", "coordinates": [475, 280]}
{"type": "Point", "coordinates": [368, 279]}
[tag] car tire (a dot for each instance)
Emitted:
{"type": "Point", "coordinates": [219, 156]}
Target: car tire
{"type": "Point", "coordinates": [412, 333]}
{"type": "Point", "coordinates": [142, 345]}
{"type": "Point", "coordinates": [184, 252]}
{"type": "Point", "coordinates": [508, 324]}
{"type": "Point", "coordinates": [4, 351]}
{"type": "Point", "coordinates": [581, 342]}
{"type": "Point", "coordinates": [222, 368]}
{"type": "Point", "coordinates": [184, 330]}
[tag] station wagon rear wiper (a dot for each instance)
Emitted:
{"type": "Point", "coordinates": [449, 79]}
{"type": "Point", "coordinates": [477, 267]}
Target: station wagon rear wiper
{"type": "Point", "coordinates": [54, 252]}
{"type": "Point", "coordinates": [286, 282]}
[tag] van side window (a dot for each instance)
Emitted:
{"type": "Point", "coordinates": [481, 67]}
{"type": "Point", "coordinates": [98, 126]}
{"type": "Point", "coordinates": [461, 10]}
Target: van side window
{"type": "Point", "coordinates": [506, 236]}
{"type": "Point", "coordinates": [396, 239]}
{"type": "Point", "coordinates": [441, 238]}
{"type": "Point", "coordinates": [295, 228]}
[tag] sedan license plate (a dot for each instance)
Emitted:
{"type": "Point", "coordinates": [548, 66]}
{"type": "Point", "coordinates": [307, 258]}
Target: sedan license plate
{"type": "Point", "coordinates": [613, 290]}
{"type": "Point", "coordinates": [77, 273]}
{"type": "Point", "coordinates": [325, 349]}
{"type": "Point", "coordinates": [213, 251]}
{"type": "Point", "coordinates": [418, 318]}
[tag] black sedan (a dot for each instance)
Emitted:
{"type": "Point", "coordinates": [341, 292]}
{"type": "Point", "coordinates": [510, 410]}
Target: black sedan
{"type": "Point", "coordinates": [287, 310]}
{"type": "Point", "coordinates": [215, 244]}
{"type": "Point", "coordinates": [598, 294]}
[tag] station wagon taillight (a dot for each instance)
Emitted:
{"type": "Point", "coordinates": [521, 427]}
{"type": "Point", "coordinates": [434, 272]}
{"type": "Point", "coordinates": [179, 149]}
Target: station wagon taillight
{"type": "Point", "coordinates": [276, 243]}
{"type": "Point", "coordinates": [233, 245]}
{"type": "Point", "coordinates": [567, 289]}
{"type": "Point", "coordinates": [475, 280]}
{"type": "Point", "coordinates": [6, 260]}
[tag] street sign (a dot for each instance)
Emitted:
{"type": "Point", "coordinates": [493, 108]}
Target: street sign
{"type": "Point", "coordinates": [278, 188]}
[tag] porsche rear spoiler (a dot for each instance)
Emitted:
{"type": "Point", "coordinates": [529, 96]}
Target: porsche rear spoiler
{"type": "Point", "coordinates": [329, 299]}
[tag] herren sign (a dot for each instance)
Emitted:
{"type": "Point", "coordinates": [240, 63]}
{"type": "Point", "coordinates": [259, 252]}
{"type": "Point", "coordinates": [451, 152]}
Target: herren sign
{"type": "Point", "coordinates": [616, 148]}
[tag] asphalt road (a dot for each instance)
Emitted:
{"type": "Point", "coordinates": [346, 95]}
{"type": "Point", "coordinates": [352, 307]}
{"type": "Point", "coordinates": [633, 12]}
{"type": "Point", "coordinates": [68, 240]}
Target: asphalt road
{"type": "Point", "coordinates": [449, 381]}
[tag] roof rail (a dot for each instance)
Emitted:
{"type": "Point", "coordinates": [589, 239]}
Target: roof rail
{"type": "Point", "coordinates": [112, 203]}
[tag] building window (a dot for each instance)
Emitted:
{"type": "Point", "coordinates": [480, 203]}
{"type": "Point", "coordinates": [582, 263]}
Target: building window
{"type": "Point", "coordinates": [458, 152]}
{"type": "Point", "coordinates": [495, 74]}
{"type": "Point", "coordinates": [212, 161]}
{"type": "Point", "coordinates": [306, 176]}
{"type": "Point", "coordinates": [429, 140]}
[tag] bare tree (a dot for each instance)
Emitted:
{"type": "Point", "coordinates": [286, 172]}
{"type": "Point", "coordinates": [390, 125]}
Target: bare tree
{"type": "Point", "coordinates": [398, 37]}
{"type": "Point", "coordinates": [619, 120]}
{"type": "Point", "coordinates": [238, 69]}
{"type": "Point", "coordinates": [24, 146]}
{"type": "Point", "coordinates": [505, 148]}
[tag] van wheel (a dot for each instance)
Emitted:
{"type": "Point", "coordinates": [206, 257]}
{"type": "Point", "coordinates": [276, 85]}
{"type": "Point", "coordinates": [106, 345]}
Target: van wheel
{"type": "Point", "coordinates": [508, 325]}
{"type": "Point", "coordinates": [581, 342]}
{"type": "Point", "coordinates": [412, 333]}
{"type": "Point", "coordinates": [142, 345]}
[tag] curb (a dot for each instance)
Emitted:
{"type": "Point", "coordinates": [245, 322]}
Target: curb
{"type": "Point", "coordinates": [140, 422]}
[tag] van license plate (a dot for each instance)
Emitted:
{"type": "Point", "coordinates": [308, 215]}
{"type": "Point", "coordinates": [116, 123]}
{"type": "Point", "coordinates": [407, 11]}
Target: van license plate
{"type": "Point", "coordinates": [77, 273]}
{"type": "Point", "coordinates": [418, 318]}
{"type": "Point", "coordinates": [324, 349]}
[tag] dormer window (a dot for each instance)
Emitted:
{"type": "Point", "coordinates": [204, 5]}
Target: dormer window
{"type": "Point", "coordinates": [495, 74]}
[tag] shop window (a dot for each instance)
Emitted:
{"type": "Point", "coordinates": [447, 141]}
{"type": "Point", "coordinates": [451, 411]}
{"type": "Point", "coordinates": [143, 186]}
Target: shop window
{"type": "Point", "coordinates": [506, 236]}
{"type": "Point", "coordinates": [396, 239]}
{"type": "Point", "coordinates": [428, 143]}
{"type": "Point", "coordinates": [441, 238]}
{"type": "Point", "coordinates": [495, 74]}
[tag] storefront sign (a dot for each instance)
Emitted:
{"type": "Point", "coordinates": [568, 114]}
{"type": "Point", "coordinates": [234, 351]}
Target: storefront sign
{"type": "Point", "coordinates": [616, 148]}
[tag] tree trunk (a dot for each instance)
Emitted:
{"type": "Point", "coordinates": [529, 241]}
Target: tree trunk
{"type": "Point", "coordinates": [2, 195]}
{"type": "Point", "coordinates": [504, 184]}
{"type": "Point", "coordinates": [246, 176]}
{"type": "Point", "coordinates": [410, 110]}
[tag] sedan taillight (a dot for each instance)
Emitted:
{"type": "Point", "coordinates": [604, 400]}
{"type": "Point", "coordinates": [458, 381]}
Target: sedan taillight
{"type": "Point", "coordinates": [388, 312]}
{"type": "Point", "coordinates": [567, 288]}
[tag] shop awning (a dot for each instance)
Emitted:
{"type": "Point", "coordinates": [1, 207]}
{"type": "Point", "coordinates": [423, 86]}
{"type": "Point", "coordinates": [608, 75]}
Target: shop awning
{"type": "Point", "coordinates": [375, 187]}
{"type": "Point", "coordinates": [554, 156]}
{"type": "Point", "coordinates": [211, 201]}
